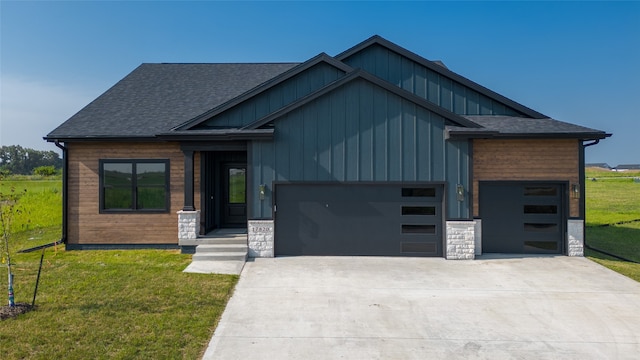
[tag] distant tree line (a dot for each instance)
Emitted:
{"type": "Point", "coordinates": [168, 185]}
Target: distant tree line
{"type": "Point", "coordinates": [14, 159]}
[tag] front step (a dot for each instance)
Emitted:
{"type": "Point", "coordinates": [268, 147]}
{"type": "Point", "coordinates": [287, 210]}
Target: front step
{"type": "Point", "coordinates": [221, 248]}
{"type": "Point", "coordinates": [219, 256]}
{"type": "Point", "coordinates": [223, 251]}
{"type": "Point", "coordinates": [215, 240]}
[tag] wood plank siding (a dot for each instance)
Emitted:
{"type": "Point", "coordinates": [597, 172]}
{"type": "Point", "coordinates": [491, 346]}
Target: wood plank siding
{"type": "Point", "coordinates": [86, 225]}
{"type": "Point", "coordinates": [522, 160]}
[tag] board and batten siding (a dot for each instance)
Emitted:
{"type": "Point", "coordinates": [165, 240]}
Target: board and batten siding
{"type": "Point", "coordinates": [276, 97]}
{"type": "Point", "coordinates": [426, 83]}
{"type": "Point", "coordinates": [86, 225]}
{"type": "Point", "coordinates": [358, 133]}
{"type": "Point", "coordinates": [527, 160]}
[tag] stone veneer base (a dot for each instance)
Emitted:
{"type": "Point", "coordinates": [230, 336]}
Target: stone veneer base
{"type": "Point", "coordinates": [188, 225]}
{"type": "Point", "coordinates": [260, 238]}
{"type": "Point", "coordinates": [460, 240]}
{"type": "Point", "coordinates": [575, 241]}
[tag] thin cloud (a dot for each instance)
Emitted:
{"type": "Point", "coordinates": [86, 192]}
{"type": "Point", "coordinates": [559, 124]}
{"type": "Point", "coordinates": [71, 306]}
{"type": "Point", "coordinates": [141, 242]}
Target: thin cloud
{"type": "Point", "coordinates": [30, 109]}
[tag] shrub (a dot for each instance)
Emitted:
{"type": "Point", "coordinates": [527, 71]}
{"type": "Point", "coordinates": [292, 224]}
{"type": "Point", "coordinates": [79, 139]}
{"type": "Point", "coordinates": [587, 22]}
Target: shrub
{"type": "Point", "coordinates": [45, 170]}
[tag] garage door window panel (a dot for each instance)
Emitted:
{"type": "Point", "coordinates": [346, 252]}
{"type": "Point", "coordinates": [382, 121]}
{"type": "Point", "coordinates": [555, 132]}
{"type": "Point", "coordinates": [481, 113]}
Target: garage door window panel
{"type": "Point", "coordinates": [541, 246]}
{"type": "Point", "coordinates": [413, 247]}
{"type": "Point", "coordinates": [541, 227]}
{"type": "Point", "coordinates": [419, 210]}
{"type": "Point", "coordinates": [541, 191]}
{"type": "Point", "coordinates": [540, 209]}
{"type": "Point", "coordinates": [418, 229]}
{"type": "Point", "coordinates": [419, 192]}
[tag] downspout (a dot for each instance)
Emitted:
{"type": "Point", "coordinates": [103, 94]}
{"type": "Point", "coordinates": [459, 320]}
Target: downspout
{"type": "Point", "coordinates": [63, 239]}
{"type": "Point", "coordinates": [582, 205]}
{"type": "Point", "coordinates": [583, 186]}
{"type": "Point", "coordinates": [65, 189]}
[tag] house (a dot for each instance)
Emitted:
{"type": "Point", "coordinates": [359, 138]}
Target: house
{"type": "Point", "coordinates": [627, 167]}
{"type": "Point", "coordinates": [601, 166]}
{"type": "Point", "coordinates": [374, 151]}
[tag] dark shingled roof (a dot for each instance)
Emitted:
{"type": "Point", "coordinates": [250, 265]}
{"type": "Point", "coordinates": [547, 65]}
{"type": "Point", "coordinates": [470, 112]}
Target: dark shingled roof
{"type": "Point", "coordinates": [510, 126]}
{"type": "Point", "coordinates": [157, 97]}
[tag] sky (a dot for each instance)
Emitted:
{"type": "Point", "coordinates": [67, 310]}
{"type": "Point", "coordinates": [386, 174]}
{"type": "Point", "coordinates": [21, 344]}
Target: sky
{"type": "Point", "coordinates": [577, 62]}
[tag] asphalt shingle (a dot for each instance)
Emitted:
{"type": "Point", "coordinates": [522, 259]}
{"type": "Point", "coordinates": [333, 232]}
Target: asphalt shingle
{"type": "Point", "coordinates": [157, 97]}
{"type": "Point", "coordinates": [518, 126]}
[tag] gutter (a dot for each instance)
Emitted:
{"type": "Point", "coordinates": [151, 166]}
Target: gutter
{"type": "Point", "coordinates": [595, 142]}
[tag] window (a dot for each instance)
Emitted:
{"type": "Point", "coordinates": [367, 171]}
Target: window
{"type": "Point", "coordinates": [418, 192]}
{"type": "Point", "coordinates": [418, 210]}
{"type": "Point", "coordinates": [134, 185]}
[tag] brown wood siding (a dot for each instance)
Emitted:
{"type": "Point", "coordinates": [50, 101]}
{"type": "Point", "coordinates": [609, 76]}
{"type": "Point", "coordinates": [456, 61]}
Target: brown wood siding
{"type": "Point", "coordinates": [521, 160]}
{"type": "Point", "coordinates": [85, 223]}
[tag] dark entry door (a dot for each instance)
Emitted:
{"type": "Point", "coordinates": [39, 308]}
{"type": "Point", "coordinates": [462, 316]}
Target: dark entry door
{"type": "Point", "coordinates": [234, 196]}
{"type": "Point", "coordinates": [522, 218]}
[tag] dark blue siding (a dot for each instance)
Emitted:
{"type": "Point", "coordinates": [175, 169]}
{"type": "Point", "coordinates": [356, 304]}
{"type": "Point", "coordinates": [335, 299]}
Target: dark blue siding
{"type": "Point", "coordinates": [426, 83]}
{"type": "Point", "coordinates": [275, 98]}
{"type": "Point", "coordinates": [359, 132]}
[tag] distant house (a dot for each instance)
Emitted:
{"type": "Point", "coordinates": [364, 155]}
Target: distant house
{"type": "Point", "coordinates": [374, 151]}
{"type": "Point", "coordinates": [603, 166]}
{"type": "Point", "coordinates": [628, 167]}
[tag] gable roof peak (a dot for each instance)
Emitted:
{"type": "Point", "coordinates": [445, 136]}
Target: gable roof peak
{"type": "Point", "coordinates": [439, 68]}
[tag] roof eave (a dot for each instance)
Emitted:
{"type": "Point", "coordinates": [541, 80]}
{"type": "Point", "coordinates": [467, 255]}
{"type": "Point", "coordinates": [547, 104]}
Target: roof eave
{"type": "Point", "coordinates": [231, 135]}
{"type": "Point", "coordinates": [455, 134]}
{"type": "Point", "coordinates": [92, 138]}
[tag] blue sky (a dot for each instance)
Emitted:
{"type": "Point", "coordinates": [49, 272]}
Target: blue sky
{"type": "Point", "coordinates": [574, 61]}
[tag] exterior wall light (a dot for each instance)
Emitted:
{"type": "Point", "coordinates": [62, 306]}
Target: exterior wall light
{"type": "Point", "coordinates": [460, 192]}
{"type": "Point", "coordinates": [575, 191]}
{"type": "Point", "coordinates": [261, 190]}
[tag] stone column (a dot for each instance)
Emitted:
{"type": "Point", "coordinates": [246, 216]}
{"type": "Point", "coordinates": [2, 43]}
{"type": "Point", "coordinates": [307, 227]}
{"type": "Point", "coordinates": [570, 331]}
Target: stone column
{"type": "Point", "coordinates": [460, 240]}
{"type": "Point", "coordinates": [478, 237]}
{"type": "Point", "coordinates": [260, 233]}
{"type": "Point", "coordinates": [575, 234]}
{"type": "Point", "coordinates": [188, 225]}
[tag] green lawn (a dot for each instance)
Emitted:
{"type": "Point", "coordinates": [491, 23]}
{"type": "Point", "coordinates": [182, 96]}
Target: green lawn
{"type": "Point", "coordinates": [132, 304]}
{"type": "Point", "coordinates": [613, 199]}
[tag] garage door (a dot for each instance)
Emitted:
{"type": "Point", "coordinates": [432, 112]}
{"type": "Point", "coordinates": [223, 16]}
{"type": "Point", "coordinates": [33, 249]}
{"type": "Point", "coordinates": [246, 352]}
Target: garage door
{"type": "Point", "coordinates": [522, 217]}
{"type": "Point", "coordinates": [358, 219]}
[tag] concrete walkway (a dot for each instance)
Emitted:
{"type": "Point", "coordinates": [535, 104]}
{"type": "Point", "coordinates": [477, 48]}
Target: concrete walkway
{"type": "Point", "coordinates": [429, 308]}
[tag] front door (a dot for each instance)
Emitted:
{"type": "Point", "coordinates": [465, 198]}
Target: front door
{"type": "Point", "coordinates": [234, 195]}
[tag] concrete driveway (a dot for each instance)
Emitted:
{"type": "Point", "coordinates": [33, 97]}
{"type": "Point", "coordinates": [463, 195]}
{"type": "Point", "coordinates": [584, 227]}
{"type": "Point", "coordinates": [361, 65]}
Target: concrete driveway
{"type": "Point", "coordinates": [429, 308]}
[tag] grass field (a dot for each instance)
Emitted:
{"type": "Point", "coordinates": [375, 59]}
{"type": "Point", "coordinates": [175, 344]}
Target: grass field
{"type": "Point", "coordinates": [613, 203]}
{"type": "Point", "coordinates": [133, 304]}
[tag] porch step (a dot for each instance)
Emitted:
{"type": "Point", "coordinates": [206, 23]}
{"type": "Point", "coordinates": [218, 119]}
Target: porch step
{"type": "Point", "coordinates": [223, 251]}
{"type": "Point", "coordinates": [221, 248]}
{"type": "Point", "coordinates": [215, 241]}
{"type": "Point", "coordinates": [219, 256]}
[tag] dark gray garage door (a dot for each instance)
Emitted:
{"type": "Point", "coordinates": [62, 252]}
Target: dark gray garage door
{"type": "Point", "coordinates": [522, 217]}
{"type": "Point", "coordinates": [358, 219]}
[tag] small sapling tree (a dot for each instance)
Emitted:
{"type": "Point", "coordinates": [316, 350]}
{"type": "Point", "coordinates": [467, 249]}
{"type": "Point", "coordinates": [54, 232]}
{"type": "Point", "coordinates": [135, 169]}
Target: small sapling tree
{"type": "Point", "coordinates": [8, 208]}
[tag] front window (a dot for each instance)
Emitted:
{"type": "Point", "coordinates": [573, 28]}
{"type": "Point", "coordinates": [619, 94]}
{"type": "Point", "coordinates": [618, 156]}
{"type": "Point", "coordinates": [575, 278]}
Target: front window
{"type": "Point", "coordinates": [134, 185]}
